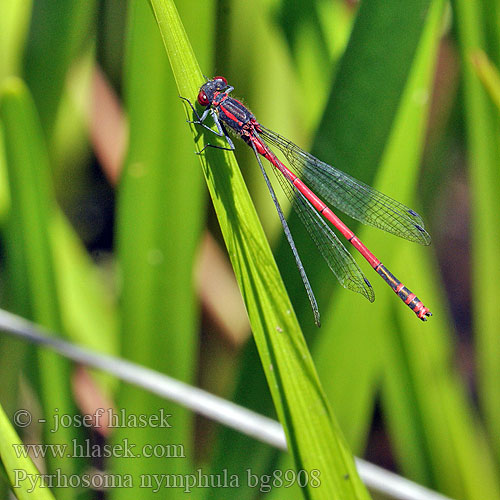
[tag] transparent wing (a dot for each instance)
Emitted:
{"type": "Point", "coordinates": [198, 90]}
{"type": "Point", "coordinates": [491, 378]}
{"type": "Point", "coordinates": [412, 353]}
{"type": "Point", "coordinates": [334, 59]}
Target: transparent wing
{"type": "Point", "coordinates": [291, 242]}
{"type": "Point", "coordinates": [353, 197]}
{"type": "Point", "coordinates": [339, 260]}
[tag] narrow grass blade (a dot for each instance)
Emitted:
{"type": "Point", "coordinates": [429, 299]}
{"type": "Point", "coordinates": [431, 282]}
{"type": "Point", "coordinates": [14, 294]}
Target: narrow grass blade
{"type": "Point", "coordinates": [432, 425]}
{"type": "Point", "coordinates": [435, 431]}
{"type": "Point", "coordinates": [312, 434]}
{"type": "Point", "coordinates": [347, 361]}
{"type": "Point", "coordinates": [488, 74]}
{"type": "Point", "coordinates": [25, 479]}
{"type": "Point", "coordinates": [14, 20]}
{"type": "Point", "coordinates": [31, 259]}
{"type": "Point", "coordinates": [402, 130]}
{"type": "Point", "coordinates": [88, 311]}
{"type": "Point", "coordinates": [483, 158]}
{"type": "Point", "coordinates": [351, 362]}
{"type": "Point", "coordinates": [159, 223]}
{"type": "Point", "coordinates": [51, 50]}
{"type": "Point", "coordinates": [370, 80]}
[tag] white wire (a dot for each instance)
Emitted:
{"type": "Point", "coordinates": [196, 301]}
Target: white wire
{"type": "Point", "coordinates": [202, 402]}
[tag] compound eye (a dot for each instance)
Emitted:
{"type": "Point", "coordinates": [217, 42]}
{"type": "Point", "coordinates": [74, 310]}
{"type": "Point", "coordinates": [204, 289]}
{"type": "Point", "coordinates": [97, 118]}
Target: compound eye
{"type": "Point", "coordinates": [202, 98]}
{"type": "Point", "coordinates": [222, 79]}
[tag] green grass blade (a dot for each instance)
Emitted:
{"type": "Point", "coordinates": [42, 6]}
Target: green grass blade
{"type": "Point", "coordinates": [353, 358]}
{"type": "Point", "coordinates": [24, 477]}
{"type": "Point", "coordinates": [488, 74]}
{"type": "Point", "coordinates": [385, 95]}
{"type": "Point", "coordinates": [348, 135]}
{"type": "Point", "coordinates": [159, 223]}
{"type": "Point", "coordinates": [9, 370]}
{"type": "Point", "coordinates": [359, 115]}
{"type": "Point", "coordinates": [434, 431]}
{"type": "Point", "coordinates": [483, 158]}
{"type": "Point", "coordinates": [491, 28]}
{"type": "Point", "coordinates": [88, 311]}
{"type": "Point", "coordinates": [350, 380]}
{"type": "Point", "coordinates": [59, 32]}
{"type": "Point", "coordinates": [14, 20]}
{"type": "Point", "coordinates": [313, 436]}
{"type": "Point", "coordinates": [28, 244]}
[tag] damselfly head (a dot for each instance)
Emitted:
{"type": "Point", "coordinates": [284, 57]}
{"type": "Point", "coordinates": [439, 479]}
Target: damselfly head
{"type": "Point", "coordinates": [208, 90]}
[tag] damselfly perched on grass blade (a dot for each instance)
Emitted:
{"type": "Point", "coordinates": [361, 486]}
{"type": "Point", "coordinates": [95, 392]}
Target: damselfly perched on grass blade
{"type": "Point", "coordinates": [305, 174]}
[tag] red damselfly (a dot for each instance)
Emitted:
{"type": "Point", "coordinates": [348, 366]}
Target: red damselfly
{"type": "Point", "coordinates": [349, 195]}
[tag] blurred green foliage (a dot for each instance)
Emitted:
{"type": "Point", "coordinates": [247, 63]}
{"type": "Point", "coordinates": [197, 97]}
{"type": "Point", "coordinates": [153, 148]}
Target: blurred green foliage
{"type": "Point", "coordinates": [402, 95]}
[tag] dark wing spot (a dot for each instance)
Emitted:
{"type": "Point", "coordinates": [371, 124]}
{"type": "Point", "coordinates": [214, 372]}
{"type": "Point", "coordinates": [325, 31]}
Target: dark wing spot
{"type": "Point", "coordinates": [412, 212]}
{"type": "Point", "coordinates": [367, 282]}
{"type": "Point", "coordinates": [420, 228]}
